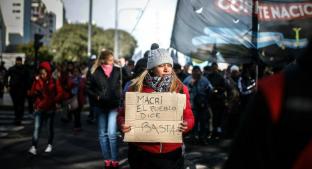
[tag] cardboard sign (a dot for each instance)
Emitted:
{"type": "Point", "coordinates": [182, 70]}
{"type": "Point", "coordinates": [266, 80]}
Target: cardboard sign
{"type": "Point", "coordinates": [154, 117]}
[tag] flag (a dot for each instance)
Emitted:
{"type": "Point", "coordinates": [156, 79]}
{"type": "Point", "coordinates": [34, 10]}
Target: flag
{"type": "Point", "coordinates": [174, 56]}
{"type": "Point", "coordinates": [279, 32]}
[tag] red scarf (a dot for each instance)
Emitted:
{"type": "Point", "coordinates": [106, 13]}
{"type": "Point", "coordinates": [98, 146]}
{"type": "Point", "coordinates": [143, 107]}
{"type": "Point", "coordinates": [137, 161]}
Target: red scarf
{"type": "Point", "coordinates": [107, 69]}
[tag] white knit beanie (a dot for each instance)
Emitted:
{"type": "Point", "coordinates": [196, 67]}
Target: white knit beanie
{"type": "Point", "coordinates": [157, 57]}
{"type": "Point", "coordinates": [234, 68]}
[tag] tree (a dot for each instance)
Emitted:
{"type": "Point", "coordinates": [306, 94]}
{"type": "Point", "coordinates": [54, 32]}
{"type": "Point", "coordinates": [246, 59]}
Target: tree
{"type": "Point", "coordinates": [127, 43]}
{"type": "Point", "coordinates": [70, 42]}
{"type": "Point", "coordinates": [28, 49]}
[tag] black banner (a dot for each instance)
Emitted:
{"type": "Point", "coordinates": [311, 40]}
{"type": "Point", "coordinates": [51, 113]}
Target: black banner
{"type": "Point", "coordinates": [225, 30]}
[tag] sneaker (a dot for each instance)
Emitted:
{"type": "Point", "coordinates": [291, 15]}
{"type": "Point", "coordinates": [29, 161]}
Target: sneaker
{"type": "Point", "coordinates": [33, 150]}
{"type": "Point", "coordinates": [107, 164]}
{"type": "Point", "coordinates": [115, 165]}
{"type": "Point", "coordinates": [48, 149]}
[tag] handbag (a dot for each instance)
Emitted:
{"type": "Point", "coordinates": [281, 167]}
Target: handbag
{"type": "Point", "coordinates": [72, 103]}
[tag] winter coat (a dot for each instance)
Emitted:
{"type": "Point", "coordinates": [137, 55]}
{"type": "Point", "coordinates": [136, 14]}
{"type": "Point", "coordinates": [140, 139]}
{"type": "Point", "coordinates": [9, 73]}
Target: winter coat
{"type": "Point", "coordinates": [44, 91]}
{"type": "Point", "coordinates": [105, 91]}
{"type": "Point", "coordinates": [64, 87]}
{"type": "Point", "coordinates": [199, 92]}
{"type": "Point", "coordinates": [18, 79]}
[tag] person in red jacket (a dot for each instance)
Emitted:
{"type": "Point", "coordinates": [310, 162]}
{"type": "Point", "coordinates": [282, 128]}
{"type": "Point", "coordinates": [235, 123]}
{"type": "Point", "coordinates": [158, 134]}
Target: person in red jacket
{"type": "Point", "coordinates": [43, 91]}
{"type": "Point", "coordinates": [159, 77]}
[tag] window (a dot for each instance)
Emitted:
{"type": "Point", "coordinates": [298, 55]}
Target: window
{"type": "Point", "coordinates": [16, 11]}
{"type": "Point", "coordinates": [16, 4]}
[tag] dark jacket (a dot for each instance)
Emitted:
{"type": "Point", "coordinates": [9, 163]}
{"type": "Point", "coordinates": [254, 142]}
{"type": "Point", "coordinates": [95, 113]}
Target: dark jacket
{"type": "Point", "coordinates": [107, 89]}
{"type": "Point", "coordinates": [276, 130]}
{"type": "Point", "coordinates": [18, 78]}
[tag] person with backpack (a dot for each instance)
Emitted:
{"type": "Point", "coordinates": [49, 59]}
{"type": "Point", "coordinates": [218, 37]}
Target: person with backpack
{"type": "Point", "coordinates": [44, 91]}
{"type": "Point", "coordinates": [158, 77]}
{"type": "Point", "coordinates": [276, 130]}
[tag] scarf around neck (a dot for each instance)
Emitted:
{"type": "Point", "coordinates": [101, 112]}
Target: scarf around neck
{"type": "Point", "coordinates": [159, 84]}
{"type": "Point", "coordinates": [107, 69]}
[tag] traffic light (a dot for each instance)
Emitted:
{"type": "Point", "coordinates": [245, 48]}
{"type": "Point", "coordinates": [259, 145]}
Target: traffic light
{"type": "Point", "coordinates": [38, 43]}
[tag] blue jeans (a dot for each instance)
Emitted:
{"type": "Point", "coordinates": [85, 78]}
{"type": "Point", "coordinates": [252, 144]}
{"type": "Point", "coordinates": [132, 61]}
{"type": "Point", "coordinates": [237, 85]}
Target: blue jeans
{"type": "Point", "coordinates": [39, 117]}
{"type": "Point", "coordinates": [107, 130]}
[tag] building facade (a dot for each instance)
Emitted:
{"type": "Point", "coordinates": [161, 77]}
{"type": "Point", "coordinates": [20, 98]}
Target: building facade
{"type": "Point", "coordinates": [2, 34]}
{"type": "Point", "coordinates": [24, 18]}
{"type": "Point", "coordinates": [56, 7]}
{"type": "Point", "coordinates": [16, 16]}
{"type": "Point", "coordinates": [43, 21]}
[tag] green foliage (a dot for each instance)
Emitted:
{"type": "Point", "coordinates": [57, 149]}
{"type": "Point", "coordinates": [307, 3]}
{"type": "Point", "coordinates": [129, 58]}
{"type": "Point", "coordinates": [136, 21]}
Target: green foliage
{"type": "Point", "coordinates": [28, 49]}
{"type": "Point", "coordinates": [127, 43]}
{"type": "Point", "coordinates": [70, 42]}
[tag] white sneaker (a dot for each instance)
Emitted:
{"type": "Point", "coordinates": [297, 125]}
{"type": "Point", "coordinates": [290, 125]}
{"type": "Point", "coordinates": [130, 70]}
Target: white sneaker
{"type": "Point", "coordinates": [32, 150]}
{"type": "Point", "coordinates": [48, 149]}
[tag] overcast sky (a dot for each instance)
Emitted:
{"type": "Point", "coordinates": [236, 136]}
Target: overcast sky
{"type": "Point", "coordinates": [154, 26]}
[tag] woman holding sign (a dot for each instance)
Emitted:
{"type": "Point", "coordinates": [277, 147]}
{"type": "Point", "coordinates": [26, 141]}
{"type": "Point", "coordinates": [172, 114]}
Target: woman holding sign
{"type": "Point", "coordinates": [159, 77]}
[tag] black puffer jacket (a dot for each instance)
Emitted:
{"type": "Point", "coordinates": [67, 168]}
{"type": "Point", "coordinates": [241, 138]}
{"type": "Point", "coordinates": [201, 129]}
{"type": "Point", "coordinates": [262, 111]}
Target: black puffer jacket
{"type": "Point", "coordinates": [108, 90]}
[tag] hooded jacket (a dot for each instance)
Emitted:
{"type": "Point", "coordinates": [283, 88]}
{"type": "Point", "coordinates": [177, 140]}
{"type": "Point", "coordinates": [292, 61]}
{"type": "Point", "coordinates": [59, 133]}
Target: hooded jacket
{"type": "Point", "coordinates": [44, 90]}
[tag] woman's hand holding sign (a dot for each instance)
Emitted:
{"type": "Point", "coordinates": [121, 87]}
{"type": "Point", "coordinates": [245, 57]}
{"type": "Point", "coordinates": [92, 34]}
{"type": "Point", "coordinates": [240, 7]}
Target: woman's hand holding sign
{"type": "Point", "coordinates": [125, 128]}
{"type": "Point", "coordinates": [183, 127]}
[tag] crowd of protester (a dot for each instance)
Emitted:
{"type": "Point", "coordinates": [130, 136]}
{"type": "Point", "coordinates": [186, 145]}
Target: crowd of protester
{"type": "Point", "coordinates": [217, 99]}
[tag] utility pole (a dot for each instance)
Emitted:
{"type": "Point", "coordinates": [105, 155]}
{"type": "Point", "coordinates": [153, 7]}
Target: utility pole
{"type": "Point", "coordinates": [116, 47]}
{"type": "Point", "coordinates": [90, 28]}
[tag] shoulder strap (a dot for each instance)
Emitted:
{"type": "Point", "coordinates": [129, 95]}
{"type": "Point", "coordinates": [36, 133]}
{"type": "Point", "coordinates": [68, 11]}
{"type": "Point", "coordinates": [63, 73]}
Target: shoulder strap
{"type": "Point", "coordinates": [272, 88]}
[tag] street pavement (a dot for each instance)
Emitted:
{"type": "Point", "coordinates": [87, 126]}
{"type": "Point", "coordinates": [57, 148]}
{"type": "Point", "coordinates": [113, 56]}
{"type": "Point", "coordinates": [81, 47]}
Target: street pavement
{"type": "Point", "coordinates": [81, 150]}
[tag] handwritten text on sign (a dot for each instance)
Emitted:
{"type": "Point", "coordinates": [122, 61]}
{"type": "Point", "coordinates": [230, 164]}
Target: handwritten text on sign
{"type": "Point", "coordinates": [154, 117]}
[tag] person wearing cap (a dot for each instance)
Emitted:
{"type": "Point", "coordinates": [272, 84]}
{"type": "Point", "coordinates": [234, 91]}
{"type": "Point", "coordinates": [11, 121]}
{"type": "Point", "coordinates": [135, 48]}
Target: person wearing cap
{"type": "Point", "coordinates": [158, 77]}
{"type": "Point", "coordinates": [233, 114]}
